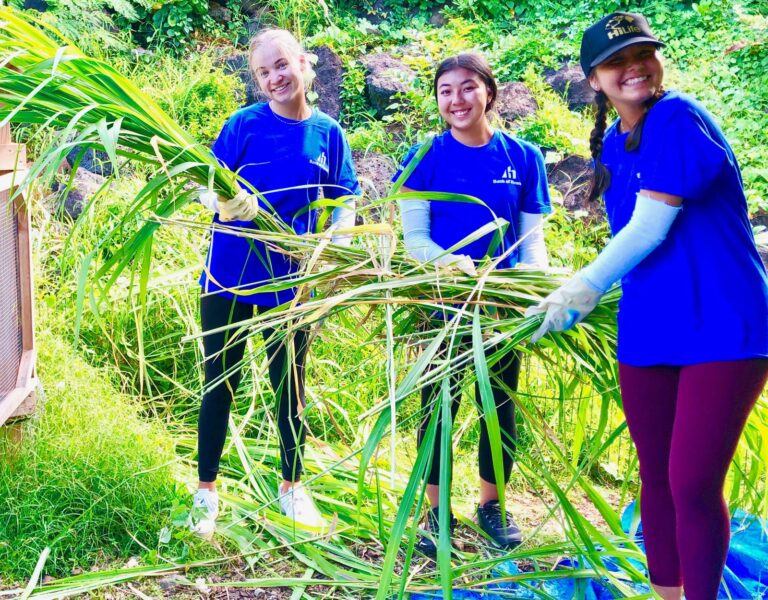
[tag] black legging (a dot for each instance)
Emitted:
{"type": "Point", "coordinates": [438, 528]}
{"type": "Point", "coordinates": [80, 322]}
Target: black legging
{"type": "Point", "coordinates": [504, 376]}
{"type": "Point", "coordinates": [285, 375]}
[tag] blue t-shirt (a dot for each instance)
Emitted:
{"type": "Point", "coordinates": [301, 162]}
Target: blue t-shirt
{"type": "Point", "coordinates": [273, 153]}
{"type": "Point", "coordinates": [507, 174]}
{"type": "Point", "coordinates": [702, 295]}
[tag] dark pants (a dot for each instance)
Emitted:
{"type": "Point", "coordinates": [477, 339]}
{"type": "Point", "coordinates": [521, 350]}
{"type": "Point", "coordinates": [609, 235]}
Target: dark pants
{"type": "Point", "coordinates": [223, 350]}
{"type": "Point", "coordinates": [504, 376]}
{"type": "Point", "coordinates": [686, 423]}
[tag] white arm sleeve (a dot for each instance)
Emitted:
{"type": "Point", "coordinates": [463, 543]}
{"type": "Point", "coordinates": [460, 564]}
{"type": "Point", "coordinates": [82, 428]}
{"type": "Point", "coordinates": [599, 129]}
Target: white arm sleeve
{"type": "Point", "coordinates": [209, 199]}
{"type": "Point", "coordinates": [646, 229]}
{"type": "Point", "coordinates": [343, 218]}
{"type": "Point", "coordinates": [417, 233]}
{"type": "Point", "coordinates": [532, 251]}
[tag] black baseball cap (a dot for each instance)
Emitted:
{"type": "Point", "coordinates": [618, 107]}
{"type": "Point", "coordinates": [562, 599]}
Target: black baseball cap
{"type": "Point", "coordinates": [612, 33]}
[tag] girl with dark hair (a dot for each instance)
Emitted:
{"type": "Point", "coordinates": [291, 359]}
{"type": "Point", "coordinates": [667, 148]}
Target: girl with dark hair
{"type": "Point", "coordinates": [288, 151]}
{"type": "Point", "coordinates": [693, 318]}
{"type": "Point", "coordinates": [508, 175]}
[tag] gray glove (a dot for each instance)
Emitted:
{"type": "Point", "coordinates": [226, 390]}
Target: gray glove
{"type": "Point", "coordinates": [567, 305]}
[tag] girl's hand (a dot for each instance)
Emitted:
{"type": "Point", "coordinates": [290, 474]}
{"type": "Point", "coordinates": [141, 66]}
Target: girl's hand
{"type": "Point", "coordinates": [566, 306]}
{"type": "Point", "coordinates": [462, 262]}
{"type": "Point", "coordinates": [243, 207]}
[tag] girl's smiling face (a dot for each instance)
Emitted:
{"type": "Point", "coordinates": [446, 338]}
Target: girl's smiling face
{"type": "Point", "coordinates": [629, 78]}
{"type": "Point", "coordinates": [279, 73]}
{"type": "Point", "coordinates": [462, 99]}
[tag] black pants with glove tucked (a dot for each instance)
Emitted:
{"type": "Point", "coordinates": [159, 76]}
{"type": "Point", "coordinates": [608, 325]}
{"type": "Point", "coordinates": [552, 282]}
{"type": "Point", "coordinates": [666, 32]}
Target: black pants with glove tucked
{"type": "Point", "coordinates": [286, 374]}
{"type": "Point", "coordinates": [504, 376]}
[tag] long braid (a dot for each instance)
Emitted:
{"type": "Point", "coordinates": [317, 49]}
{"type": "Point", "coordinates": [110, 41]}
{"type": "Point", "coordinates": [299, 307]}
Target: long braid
{"type": "Point", "coordinates": [602, 177]}
{"type": "Point", "coordinates": [636, 135]}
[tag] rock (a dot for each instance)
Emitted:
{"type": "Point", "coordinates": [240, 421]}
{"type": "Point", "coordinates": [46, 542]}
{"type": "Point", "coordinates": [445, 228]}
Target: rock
{"type": "Point", "coordinates": [330, 75]}
{"type": "Point", "coordinates": [572, 177]}
{"type": "Point", "coordinates": [385, 77]}
{"type": "Point", "coordinates": [95, 161]}
{"type": "Point", "coordinates": [219, 13]}
{"type": "Point", "coordinates": [374, 171]}
{"type": "Point", "coordinates": [437, 19]}
{"type": "Point", "coordinates": [38, 5]}
{"type": "Point", "coordinates": [237, 63]}
{"type": "Point", "coordinates": [763, 251]}
{"type": "Point", "coordinates": [760, 218]}
{"type": "Point", "coordinates": [377, 13]}
{"type": "Point", "coordinates": [569, 81]}
{"type": "Point", "coordinates": [514, 101]}
{"type": "Point", "coordinates": [84, 186]}
{"type": "Point", "coordinates": [252, 27]}
{"type": "Point", "coordinates": [252, 8]}
{"type": "Point", "coordinates": [170, 584]}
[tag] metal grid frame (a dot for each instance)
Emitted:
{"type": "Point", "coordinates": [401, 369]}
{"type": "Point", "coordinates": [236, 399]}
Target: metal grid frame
{"type": "Point", "coordinates": [17, 350]}
{"type": "Point", "coordinates": [10, 298]}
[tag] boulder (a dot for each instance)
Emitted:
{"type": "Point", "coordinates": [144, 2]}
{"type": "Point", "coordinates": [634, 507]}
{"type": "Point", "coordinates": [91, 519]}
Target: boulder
{"type": "Point", "coordinates": [330, 75]}
{"type": "Point", "coordinates": [38, 5]}
{"type": "Point", "coordinates": [219, 13]}
{"type": "Point", "coordinates": [252, 27]}
{"type": "Point", "coordinates": [569, 81]}
{"type": "Point", "coordinates": [763, 250]}
{"type": "Point", "coordinates": [374, 171]}
{"type": "Point", "coordinates": [84, 186]}
{"type": "Point", "coordinates": [237, 63]}
{"type": "Point", "coordinates": [385, 77]}
{"type": "Point", "coordinates": [572, 177]}
{"type": "Point", "coordinates": [375, 13]}
{"type": "Point", "coordinates": [437, 19]}
{"type": "Point", "coordinates": [95, 161]}
{"type": "Point", "coordinates": [514, 101]}
{"type": "Point", "coordinates": [252, 8]}
{"type": "Point", "coordinates": [760, 218]}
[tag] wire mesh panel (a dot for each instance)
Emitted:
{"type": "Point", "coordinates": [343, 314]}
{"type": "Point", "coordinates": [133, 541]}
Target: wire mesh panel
{"type": "Point", "coordinates": [10, 299]}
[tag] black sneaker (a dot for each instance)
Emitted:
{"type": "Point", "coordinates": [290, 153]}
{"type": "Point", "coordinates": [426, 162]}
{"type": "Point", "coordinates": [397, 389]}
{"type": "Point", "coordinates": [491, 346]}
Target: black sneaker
{"type": "Point", "coordinates": [489, 519]}
{"type": "Point", "coordinates": [427, 544]}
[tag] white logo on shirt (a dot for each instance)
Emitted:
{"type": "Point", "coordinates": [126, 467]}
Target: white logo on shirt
{"type": "Point", "coordinates": [321, 161]}
{"type": "Point", "coordinates": [508, 176]}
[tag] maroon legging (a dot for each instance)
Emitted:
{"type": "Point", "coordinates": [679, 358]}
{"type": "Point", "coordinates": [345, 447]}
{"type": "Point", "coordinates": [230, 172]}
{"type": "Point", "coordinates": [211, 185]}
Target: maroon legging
{"type": "Point", "coordinates": [686, 423]}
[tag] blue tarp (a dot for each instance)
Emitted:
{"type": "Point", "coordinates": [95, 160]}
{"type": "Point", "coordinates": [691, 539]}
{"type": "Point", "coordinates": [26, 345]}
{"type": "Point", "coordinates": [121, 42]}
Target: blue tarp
{"type": "Point", "coordinates": [745, 576]}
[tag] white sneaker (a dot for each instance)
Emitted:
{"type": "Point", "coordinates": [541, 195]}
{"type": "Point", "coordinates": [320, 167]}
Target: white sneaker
{"type": "Point", "coordinates": [205, 509]}
{"type": "Point", "coordinates": [297, 505]}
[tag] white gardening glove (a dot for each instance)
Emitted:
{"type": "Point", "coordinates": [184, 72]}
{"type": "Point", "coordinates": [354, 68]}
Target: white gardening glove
{"type": "Point", "coordinates": [566, 306]}
{"type": "Point", "coordinates": [462, 262]}
{"type": "Point", "coordinates": [209, 199]}
{"type": "Point", "coordinates": [243, 207]}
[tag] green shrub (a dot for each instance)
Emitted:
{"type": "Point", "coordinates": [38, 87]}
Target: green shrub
{"type": "Point", "coordinates": [142, 351]}
{"type": "Point", "coordinates": [91, 23]}
{"type": "Point", "coordinates": [195, 92]}
{"type": "Point", "coordinates": [169, 25]}
{"type": "Point", "coordinates": [553, 126]}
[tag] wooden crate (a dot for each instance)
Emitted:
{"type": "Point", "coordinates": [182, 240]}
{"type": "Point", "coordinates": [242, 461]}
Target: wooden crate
{"type": "Point", "coordinates": [17, 344]}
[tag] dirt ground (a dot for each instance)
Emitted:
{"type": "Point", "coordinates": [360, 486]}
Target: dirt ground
{"type": "Point", "coordinates": [529, 511]}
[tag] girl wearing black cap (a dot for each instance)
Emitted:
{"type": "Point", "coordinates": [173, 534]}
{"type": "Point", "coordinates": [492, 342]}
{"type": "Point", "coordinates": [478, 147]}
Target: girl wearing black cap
{"type": "Point", "coordinates": [693, 318]}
